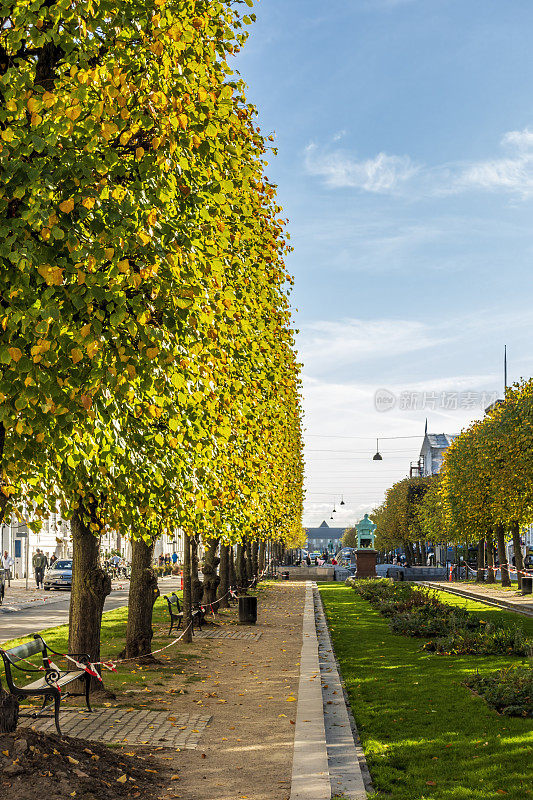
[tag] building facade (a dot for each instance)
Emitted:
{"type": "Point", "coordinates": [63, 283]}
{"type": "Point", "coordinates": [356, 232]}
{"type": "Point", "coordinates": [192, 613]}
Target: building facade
{"type": "Point", "coordinates": [324, 538]}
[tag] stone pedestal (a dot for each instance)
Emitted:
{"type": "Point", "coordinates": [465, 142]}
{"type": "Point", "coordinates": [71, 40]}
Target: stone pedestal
{"type": "Point", "coordinates": [366, 563]}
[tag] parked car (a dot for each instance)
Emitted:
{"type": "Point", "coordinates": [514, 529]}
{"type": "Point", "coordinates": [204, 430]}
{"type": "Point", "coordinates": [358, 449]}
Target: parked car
{"type": "Point", "coordinates": [59, 575]}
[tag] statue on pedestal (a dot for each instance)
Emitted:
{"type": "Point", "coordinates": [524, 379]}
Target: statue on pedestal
{"type": "Point", "coordinates": [365, 553]}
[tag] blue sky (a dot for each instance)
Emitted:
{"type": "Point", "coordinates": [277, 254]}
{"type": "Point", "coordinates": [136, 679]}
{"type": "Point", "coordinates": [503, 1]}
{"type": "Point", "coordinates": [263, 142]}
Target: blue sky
{"type": "Point", "coordinates": [405, 166]}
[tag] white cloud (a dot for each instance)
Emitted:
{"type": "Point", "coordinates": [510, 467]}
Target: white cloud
{"type": "Point", "coordinates": [326, 346]}
{"type": "Point", "coordinates": [394, 174]}
{"type": "Point", "coordinates": [514, 173]}
{"type": "Point", "coordinates": [382, 174]}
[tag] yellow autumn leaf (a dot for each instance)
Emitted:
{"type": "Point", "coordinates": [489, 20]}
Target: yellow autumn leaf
{"type": "Point", "coordinates": [109, 252]}
{"type": "Point", "coordinates": [143, 236]}
{"type": "Point", "coordinates": [122, 779]}
{"type": "Point", "coordinates": [139, 152]}
{"type": "Point", "coordinates": [7, 135]}
{"type": "Point", "coordinates": [291, 699]}
{"type": "Point", "coordinates": [49, 99]}
{"type": "Point", "coordinates": [34, 104]}
{"type": "Point", "coordinates": [88, 202]}
{"type": "Point", "coordinates": [108, 129]}
{"type": "Point", "coordinates": [92, 348]}
{"type": "Point", "coordinates": [76, 355]}
{"type": "Point", "coordinates": [67, 205]}
{"type": "Point", "coordinates": [15, 353]}
{"type": "Point", "coordinates": [84, 330]}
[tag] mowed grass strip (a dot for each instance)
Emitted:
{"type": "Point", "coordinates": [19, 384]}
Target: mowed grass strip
{"type": "Point", "coordinates": [424, 734]}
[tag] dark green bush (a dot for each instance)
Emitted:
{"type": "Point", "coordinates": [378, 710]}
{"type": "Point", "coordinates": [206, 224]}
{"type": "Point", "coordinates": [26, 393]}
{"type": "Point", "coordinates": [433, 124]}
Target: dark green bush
{"type": "Point", "coordinates": [489, 639]}
{"type": "Point", "coordinates": [509, 691]}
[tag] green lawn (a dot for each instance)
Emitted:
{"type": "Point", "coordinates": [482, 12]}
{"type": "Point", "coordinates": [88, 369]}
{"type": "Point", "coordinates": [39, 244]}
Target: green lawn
{"type": "Point", "coordinates": [423, 733]}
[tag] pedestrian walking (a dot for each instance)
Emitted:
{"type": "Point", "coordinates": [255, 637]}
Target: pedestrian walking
{"type": "Point", "coordinates": [7, 563]}
{"type": "Point", "coordinates": [39, 562]}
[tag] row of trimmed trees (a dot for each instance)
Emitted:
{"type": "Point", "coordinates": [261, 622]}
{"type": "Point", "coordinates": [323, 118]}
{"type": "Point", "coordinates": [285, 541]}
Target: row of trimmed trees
{"type": "Point", "coordinates": [148, 379]}
{"type": "Point", "coordinates": [482, 496]}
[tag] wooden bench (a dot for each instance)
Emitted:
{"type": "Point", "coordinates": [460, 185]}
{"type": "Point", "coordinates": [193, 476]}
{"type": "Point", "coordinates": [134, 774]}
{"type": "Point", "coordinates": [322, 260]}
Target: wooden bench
{"type": "Point", "coordinates": [50, 686]}
{"type": "Point", "coordinates": [177, 613]}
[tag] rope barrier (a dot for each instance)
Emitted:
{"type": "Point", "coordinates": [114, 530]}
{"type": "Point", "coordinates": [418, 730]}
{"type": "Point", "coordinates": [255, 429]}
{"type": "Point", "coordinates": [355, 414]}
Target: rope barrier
{"type": "Point", "coordinates": [111, 665]}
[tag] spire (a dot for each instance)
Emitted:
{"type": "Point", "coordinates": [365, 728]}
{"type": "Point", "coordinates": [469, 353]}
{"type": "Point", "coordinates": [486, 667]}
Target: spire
{"type": "Point", "coordinates": [426, 428]}
{"type": "Point", "coordinates": [504, 369]}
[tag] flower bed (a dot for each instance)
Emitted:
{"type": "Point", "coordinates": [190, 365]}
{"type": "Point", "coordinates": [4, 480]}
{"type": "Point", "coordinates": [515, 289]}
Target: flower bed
{"type": "Point", "coordinates": [415, 611]}
{"type": "Point", "coordinates": [509, 691]}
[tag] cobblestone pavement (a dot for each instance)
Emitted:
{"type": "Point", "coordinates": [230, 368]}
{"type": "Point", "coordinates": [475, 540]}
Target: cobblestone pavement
{"type": "Point", "coordinates": [128, 726]}
{"type": "Point", "coordinates": [230, 633]}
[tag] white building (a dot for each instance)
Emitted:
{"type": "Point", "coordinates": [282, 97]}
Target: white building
{"type": "Point", "coordinates": [432, 452]}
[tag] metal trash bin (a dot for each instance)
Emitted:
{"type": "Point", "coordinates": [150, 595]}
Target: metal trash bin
{"type": "Point", "coordinates": [526, 584]}
{"type": "Point", "coordinates": [247, 610]}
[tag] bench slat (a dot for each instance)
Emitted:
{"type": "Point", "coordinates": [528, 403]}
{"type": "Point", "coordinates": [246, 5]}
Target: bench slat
{"type": "Point", "coordinates": [62, 681]}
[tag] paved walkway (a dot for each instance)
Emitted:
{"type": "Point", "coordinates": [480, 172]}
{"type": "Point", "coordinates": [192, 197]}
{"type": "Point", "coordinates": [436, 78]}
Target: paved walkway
{"type": "Point", "coordinates": [326, 760]}
{"type": "Point", "coordinates": [127, 726]}
{"type": "Point", "coordinates": [485, 593]}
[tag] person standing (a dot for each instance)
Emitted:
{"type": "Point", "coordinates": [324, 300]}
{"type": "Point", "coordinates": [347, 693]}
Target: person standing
{"type": "Point", "coordinates": [39, 564]}
{"type": "Point", "coordinates": [7, 563]}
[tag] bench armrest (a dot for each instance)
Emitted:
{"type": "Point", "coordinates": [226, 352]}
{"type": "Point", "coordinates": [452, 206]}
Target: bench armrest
{"type": "Point", "coordinates": [79, 656]}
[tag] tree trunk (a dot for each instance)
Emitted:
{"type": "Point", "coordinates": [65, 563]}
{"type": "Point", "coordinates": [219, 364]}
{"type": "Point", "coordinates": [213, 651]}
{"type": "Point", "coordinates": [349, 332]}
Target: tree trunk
{"type": "Point", "coordinates": [424, 554]}
{"type": "Point", "coordinates": [197, 589]}
{"type": "Point", "coordinates": [3, 498]}
{"type": "Point", "coordinates": [491, 577]}
{"type": "Point", "coordinates": [249, 563]}
{"type": "Point", "coordinates": [261, 557]}
{"type": "Point", "coordinates": [90, 587]}
{"type": "Point", "coordinates": [142, 596]}
{"type": "Point", "coordinates": [255, 558]}
{"type": "Point", "coordinates": [187, 589]}
{"type": "Point", "coordinates": [211, 579]}
{"type": "Point", "coordinates": [480, 577]}
{"type": "Point", "coordinates": [223, 586]}
{"type": "Point", "coordinates": [9, 711]}
{"type": "Point", "coordinates": [517, 548]}
{"type": "Point", "coordinates": [240, 567]}
{"type": "Point", "coordinates": [500, 540]}
{"type": "Point", "coordinates": [231, 567]}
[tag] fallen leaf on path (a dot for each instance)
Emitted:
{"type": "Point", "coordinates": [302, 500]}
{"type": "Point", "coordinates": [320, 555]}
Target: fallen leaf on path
{"type": "Point", "coordinates": [122, 779]}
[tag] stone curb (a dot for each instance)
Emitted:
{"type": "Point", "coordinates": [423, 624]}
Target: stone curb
{"type": "Point", "coordinates": [527, 611]}
{"type": "Point", "coordinates": [310, 775]}
{"type": "Point", "coordinates": [345, 758]}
